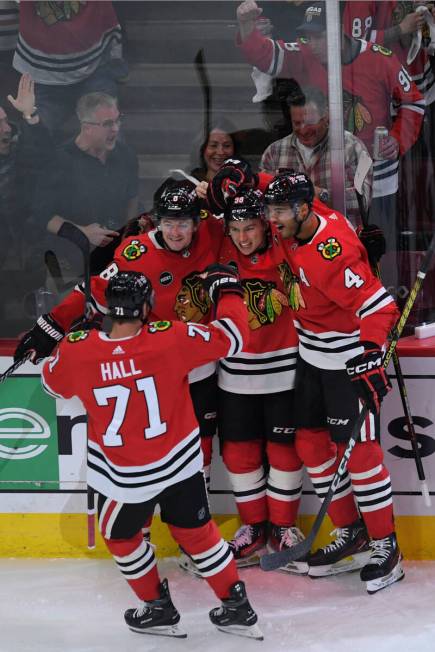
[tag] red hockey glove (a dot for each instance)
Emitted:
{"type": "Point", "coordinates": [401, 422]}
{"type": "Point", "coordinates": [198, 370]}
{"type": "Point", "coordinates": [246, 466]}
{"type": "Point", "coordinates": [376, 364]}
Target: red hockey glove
{"type": "Point", "coordinates": [221, 279]}
{"type": "Point", "coordinates": [373, 240]}
{"type": "Point", "coordinates": [368, 376]}
{"type": "Point", "coordinates": [231, 176]}
{"type": "Point", "coordinates": [39, 340]}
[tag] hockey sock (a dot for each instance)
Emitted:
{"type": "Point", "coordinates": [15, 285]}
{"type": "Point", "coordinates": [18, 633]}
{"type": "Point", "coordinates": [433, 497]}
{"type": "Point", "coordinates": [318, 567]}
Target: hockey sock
{"type": "Point", "coordinates": [210, 554]}
{"type": "Point", "coordinates": [244, 463]}
{"type": "Point", "coordinates": [371, 484]}
{"type": "Point", "coordinates": [136, 561]}
{"type": "Point", "coordinates": [320, 456]}
{"type": "Point", "coordinates": [284, 484]}
{"type": "Point", "coordinates": [207, 451]}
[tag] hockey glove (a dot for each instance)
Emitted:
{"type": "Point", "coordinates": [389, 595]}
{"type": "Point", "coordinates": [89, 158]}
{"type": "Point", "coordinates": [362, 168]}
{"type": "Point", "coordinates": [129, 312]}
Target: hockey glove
{"type": "Point", "coordinates": [221, 279]}
{"type": "Point", "coordinates": [368, 376]}
{"type": "Point", "coordinates": [39, 340]}
{"type": "Point", "coordinates": [373, 240]}
{"type": "Point", "coordinates": [232, 175]}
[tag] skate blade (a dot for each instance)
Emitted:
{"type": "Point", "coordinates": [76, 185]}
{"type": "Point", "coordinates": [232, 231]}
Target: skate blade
{"type": "Point", "coordinates": [252, 560]}
{"type": "Point", "coordinates": [346, 565]}
{"type": "Point", "coordinates": [174, 631]}
{"type": "Point", "coordinates": [251, 631]}
{"type": "Point", "coordinates": [397, 574]}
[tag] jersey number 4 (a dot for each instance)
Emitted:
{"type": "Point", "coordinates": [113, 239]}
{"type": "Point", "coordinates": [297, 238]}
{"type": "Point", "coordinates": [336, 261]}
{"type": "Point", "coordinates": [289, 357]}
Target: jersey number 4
{"type": "Point", "coordinates": [121, 395]}
{"type": "Point", "coordinates": [351, 279]}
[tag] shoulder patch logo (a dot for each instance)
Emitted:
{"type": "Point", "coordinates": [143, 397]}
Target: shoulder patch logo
{"type": "Point", "coordinates": [329, 249]}
{"type": "Point", "coordinates": [380, 48]}
{"type": "Point", "coordinates": [159, 326]}
{"type": "Point", "coordinates": [77, 336]}
{"type": "Point", "coordinates": [166, 278]}
{"type": "Point", "coordinates": [203, 214]}
{"type": "Point", "coordinates": [134, 250]}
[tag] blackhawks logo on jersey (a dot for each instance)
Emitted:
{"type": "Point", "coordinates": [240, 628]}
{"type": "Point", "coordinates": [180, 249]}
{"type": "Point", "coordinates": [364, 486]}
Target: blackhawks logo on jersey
{"type": "Point", "coordinates": [77, 336]}
{"type": "Point", "coordinates": [329, 249]}
{"type": "Point", "coordinates": [159, 326]}
{"type": "Point", "coordinates": [264, 302]}
{"type": "Point", "coordinates": [356, 115]}
{"type": "Point", "coordinates": [134, 250]}
{"type": "Point", "coordinates": [192, 302]}
{"type": "Point", "coordinates": [54, 12]}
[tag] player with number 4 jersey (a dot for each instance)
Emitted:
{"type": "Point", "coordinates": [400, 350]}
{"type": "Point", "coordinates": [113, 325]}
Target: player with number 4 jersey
{"type": "Point", "coordinates": [342, 315]}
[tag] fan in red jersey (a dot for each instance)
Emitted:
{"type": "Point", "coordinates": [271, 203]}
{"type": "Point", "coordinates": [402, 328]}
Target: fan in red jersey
{"type": "Point", "coordinates": [255, 407]}
{"type": "Point", "coordinates": [342, 315]}
{"type": "Point", "coordinates": [143, 443]}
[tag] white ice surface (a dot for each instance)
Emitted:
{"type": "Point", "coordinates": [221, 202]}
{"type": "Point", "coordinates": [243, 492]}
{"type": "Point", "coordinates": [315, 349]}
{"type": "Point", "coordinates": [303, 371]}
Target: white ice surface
{"type": "Point", "coordinates": [77, 606]}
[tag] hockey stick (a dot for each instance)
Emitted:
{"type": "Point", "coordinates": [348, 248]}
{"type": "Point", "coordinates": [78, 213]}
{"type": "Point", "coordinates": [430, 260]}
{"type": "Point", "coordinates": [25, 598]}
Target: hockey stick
{"type": "Point", "coordinates": [72, 233]}
{"type": "Point", "coordinates": [277, 559]}
{"type": "Point", "coordinates": [10, 370]}
{"type": "Point", "coordinates": [204, 81]}
{"type": "Point", "coordinates": [402, 387]}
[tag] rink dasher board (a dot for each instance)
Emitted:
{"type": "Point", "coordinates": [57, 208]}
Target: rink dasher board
{"type": "Point", "coordinates": [63, 433]}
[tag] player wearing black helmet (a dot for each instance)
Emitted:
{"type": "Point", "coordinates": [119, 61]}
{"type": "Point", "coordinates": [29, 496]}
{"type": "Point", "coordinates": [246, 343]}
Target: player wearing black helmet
{"type": "Point", "coordinates": [255, 409]}
{"type": "Point", "coordinates": [143, 444]}
{"type": "Point", "coordinates": [342, 315]}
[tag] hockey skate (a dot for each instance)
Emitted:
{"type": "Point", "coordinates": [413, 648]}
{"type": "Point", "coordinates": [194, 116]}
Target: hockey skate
{"type": "Point", "coordinates": [158, 617]}
{"type": "Point", "coordinates": [384, 567]}
{"type": "Point", "coordinates": [249, 544]}
{"type": "Point", "coordinates": [349, 551]}
{"type": "Point", "coordinates": [282, 537]}
{"type": "Point", "coordinates": [186, 564]}
{"type": "Point", "coordinates": [236, 616]}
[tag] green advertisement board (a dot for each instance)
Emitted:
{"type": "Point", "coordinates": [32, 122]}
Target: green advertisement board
{"type": "Point", "coordinates": [28, 436]}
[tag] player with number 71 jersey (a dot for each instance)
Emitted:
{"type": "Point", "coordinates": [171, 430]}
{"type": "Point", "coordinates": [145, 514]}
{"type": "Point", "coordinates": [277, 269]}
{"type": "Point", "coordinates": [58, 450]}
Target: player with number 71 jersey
{"type": "Point", "coordinates": [336, 299]}
{"type": "Point", "coordinates": [143, 435]}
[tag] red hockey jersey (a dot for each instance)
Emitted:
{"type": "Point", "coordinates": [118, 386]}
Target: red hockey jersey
{"type": "Point", "coordinates": [336, 299]}
{"type": "Point", "coordinates": [174, 276]}
{"type": "Point", "coordinates": [142, 430]}
{"type": "Point", "coordinates": [268, 360]}
{"type": "Point", "coordinates": [367, 97]}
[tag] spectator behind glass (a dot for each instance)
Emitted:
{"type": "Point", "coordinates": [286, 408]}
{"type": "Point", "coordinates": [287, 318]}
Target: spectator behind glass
{"type": "Point", "coordinates": [70, 49]}
{"type": "Point", "coordinates": [91, 182]}
{"type": "Point", "coordinates": [307, 150]}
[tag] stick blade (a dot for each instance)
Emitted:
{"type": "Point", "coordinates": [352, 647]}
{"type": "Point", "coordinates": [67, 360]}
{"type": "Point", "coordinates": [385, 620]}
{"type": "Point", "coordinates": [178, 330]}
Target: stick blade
{"type": "Point", "coordinates": [275, 560]}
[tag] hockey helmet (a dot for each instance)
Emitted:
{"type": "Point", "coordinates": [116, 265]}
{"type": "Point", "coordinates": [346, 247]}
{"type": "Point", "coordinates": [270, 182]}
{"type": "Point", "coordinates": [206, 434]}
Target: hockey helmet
{"type": "Point", "coordinates": [178, 200]}
{"type": "Point", "coordinates": [126, 293]}
{"type": "Point", "coordinates": [248, 204]}
{"type": "Point", "coordinates": [290, 188]}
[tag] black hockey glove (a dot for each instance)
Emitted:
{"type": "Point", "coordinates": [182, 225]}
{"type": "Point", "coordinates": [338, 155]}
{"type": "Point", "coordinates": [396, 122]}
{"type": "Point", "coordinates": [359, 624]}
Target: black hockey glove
{"type": "Point", "coordinates": [39, 340]}
{"type": "Point", "coordinates": [84, 324]}
{"type": "Point", "coordinates": [373, 240]}
{"type": "Point", "coordinates": [231, 176]}
{"type": "Point", "coordinates": [368, 376]}
{"type": "Point", "coordinates": [221, 279]}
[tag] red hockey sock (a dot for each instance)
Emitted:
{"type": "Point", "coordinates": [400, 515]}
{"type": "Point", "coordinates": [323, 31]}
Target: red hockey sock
{"type": "Point", "coordinates": [211, 555]}
{"type": "Point", "coordinates": [135, 559]}
{"type": "Point", "coordinates": [319, 454]}
{"type": "Point", "coordinates": [284, 484]}
{"type": "Point", "coordinates": [244, 462]}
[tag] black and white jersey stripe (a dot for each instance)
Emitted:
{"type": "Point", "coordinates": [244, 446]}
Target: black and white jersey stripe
{"type": "Point", "coordinates": [425, 82]}
{"type": "Point", "coordinates": [232, 332]}
{"type": "Point", "coordinates": [138, 563]}
{"type": "Point", "coordinates": [258, 373]}
{"type": "Point", "coordinates": [378, 300]}
{"type": "Point", "coordinates": [328, 350]}
{"type": "Point", "coordinates": [137, 484]}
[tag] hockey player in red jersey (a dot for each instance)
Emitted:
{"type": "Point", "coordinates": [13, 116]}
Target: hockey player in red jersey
{"type": "Point", "coordinates": [143, 444]}
{"type": "Point", "coordinates": [342, 315]}
{"type": "Point", "coordinates": [255, 407]}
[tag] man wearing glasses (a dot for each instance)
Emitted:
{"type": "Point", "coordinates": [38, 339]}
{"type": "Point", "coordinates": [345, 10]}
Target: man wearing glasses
{"type": "Point", "coordinates": [91, 182]}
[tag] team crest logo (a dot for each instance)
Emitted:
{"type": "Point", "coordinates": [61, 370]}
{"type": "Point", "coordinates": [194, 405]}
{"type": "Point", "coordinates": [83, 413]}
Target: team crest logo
{"type": "Point", "coordinates": [192, 302]}
{"type": "Point", "coordinates": [356, 114]}
{"type": "Point", "coordinates": [379, 48]}
{"type": "Point", "coordinates": [77, 336]}
{"type": "Point", "coordinates": [134, 250]}
{"type": "Point", "coordinates": [329, 249]}
{"type": "Point", "coordinates": [57, 12]}
{"type": "Point", "coordinates": [264, 302]}
{"type": "Point", "coordinates": [159, 326]}
{"type": "Point", "coordinates": [203, 214]}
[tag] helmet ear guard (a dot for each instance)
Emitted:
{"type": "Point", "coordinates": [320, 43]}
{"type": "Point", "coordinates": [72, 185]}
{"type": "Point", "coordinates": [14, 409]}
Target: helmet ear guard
{"type": "Point", "coordinates": [126, 294]}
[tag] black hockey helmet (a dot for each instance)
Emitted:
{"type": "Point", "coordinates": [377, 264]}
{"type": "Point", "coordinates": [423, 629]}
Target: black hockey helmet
{"type": "Point", "coordinates": [248, 204]}
{"type": "Point", "coordinates": [290, 188]}
{"type": "Point", "coordinates": [177, 199]}
{"type": "Point", "coordinates": [126, 293]}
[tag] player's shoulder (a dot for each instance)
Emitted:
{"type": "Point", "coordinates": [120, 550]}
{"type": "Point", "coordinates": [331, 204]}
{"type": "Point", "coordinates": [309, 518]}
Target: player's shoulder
{"type": "Point", "coordinates": [376, 50]}
{"type": "Point", "coordinates": [162, 326]}
{"type": "Point", "coordinates": [77, 339]}
{"type": "Point", "coordinates": [335, 238]}
{"type": "Point", "coordinates": [133, 248]}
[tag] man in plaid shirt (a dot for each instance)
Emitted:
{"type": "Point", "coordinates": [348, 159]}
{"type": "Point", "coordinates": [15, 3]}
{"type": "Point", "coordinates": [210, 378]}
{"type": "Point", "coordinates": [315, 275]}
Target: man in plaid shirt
{"type": "Point", "coordinates": [307, 150]}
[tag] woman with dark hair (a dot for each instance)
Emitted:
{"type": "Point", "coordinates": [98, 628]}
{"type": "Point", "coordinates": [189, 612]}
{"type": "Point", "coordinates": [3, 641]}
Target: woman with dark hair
{"type": "Point", "coordinates": [215, 149]}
